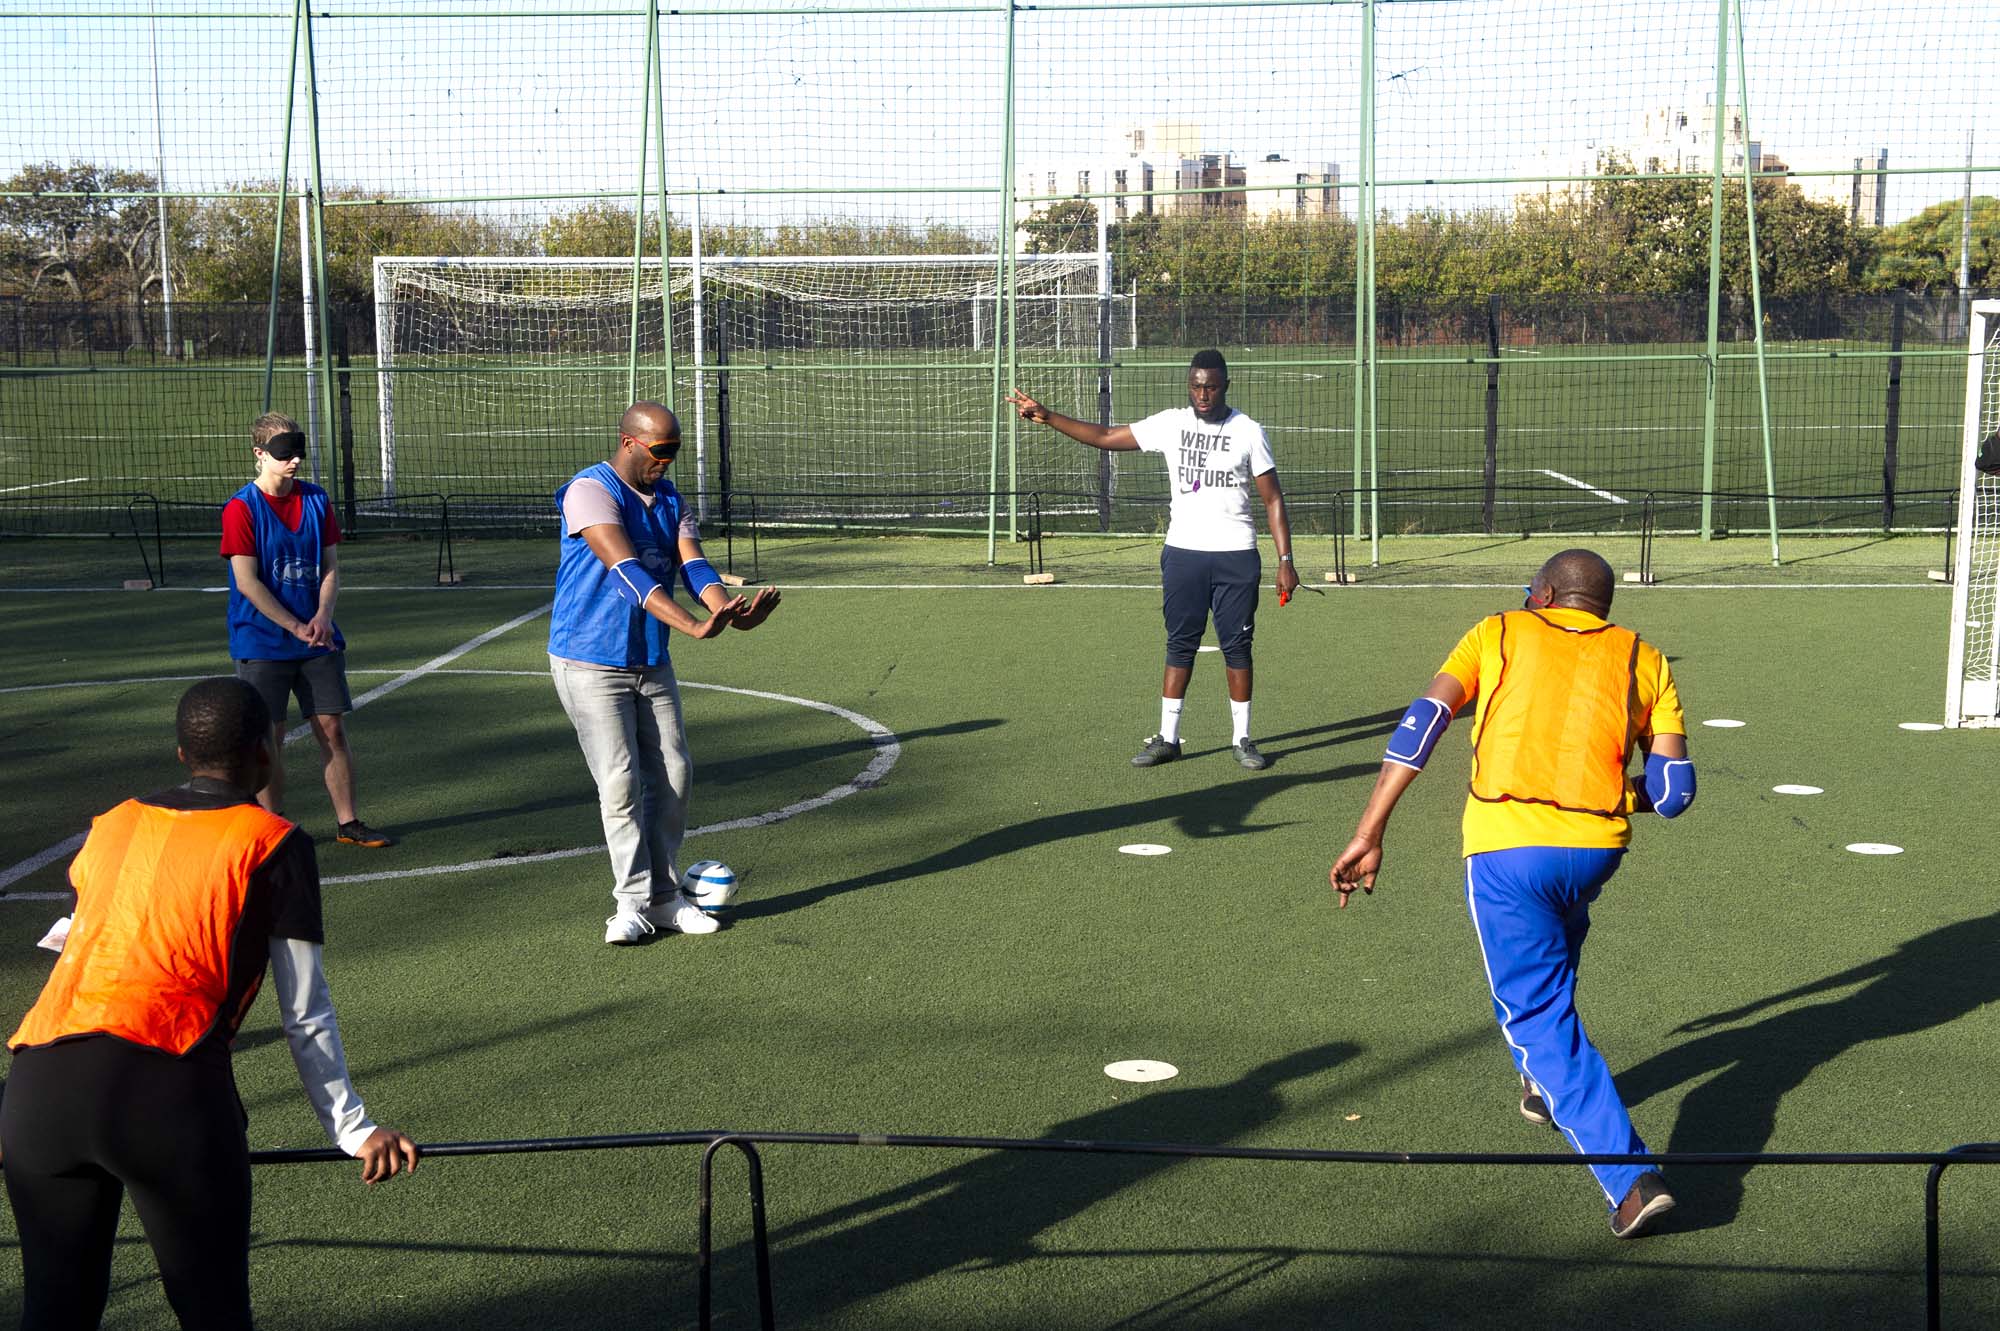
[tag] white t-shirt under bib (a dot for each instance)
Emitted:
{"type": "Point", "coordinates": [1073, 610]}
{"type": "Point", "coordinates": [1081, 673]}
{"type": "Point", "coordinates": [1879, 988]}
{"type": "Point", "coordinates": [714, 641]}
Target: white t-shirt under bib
{"type": "Point", "coordinates": [1211, 469]}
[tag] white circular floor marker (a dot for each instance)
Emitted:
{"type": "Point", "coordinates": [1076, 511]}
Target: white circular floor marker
{"type": "Point", "coordinates": [1141, 1069]}
{"type": "Point", "coordinates": [1724, 723]}
{"type": "Point", "coordinates": [1875, 848]}
{"type": "Point", "coordinates": [1919, 725]}
{"type": "Point", "coordinates": [1208, 647]}
{"type": "Point", "coordinates": [1798, 790]}
{"type": "Point", "coordinates": [1145, 848]}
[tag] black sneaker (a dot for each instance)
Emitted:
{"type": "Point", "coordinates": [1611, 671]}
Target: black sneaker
{"type": "Point", "coordinates": [1247, 755]}
{"type": "Point", "coordinates": [1646, 1202]}
{"type": "Point", "coordinates": [1155, 751]}
{"type": "Point", "coordinates": [358, 833]}
{"type": "Point", "coordinates": [1533, 1107]}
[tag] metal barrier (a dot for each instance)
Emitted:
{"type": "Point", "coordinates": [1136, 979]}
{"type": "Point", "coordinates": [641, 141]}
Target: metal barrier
{"type": "Point", "coordinates": [1987, 1153]}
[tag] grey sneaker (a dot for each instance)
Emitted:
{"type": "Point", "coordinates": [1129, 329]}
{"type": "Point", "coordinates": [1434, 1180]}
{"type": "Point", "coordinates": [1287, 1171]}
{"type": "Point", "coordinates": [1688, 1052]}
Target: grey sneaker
{"type": "Point", "coordinates": [1155, 751]}
{"type": "Point", "coordinates": [1647, 1201]}
{"type": "Point", "coordinates": [1247, 755]}
{"type": "Point", "coordinates": [1533, 1107]}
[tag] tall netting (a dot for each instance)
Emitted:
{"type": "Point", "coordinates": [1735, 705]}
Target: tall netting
{"type": "Point", "coordinates": [1972, 679]}
{"type": "Point", "coordinates": [1477, 265]}
{"type": "Point", "coordinates": [817, 387]}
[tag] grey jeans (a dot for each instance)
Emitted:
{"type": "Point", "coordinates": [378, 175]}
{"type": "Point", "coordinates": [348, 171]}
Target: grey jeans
{"type": "Point", "coordinates": [628, 723]}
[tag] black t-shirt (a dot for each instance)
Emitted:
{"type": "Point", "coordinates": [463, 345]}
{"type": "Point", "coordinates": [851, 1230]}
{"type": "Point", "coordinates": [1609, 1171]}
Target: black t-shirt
{"type": "Point", "coordinates": [283, 902]}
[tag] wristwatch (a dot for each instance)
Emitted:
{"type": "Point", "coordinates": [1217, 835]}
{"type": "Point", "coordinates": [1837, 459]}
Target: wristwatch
{"type": "Point", "coordinates": [1284, 559]}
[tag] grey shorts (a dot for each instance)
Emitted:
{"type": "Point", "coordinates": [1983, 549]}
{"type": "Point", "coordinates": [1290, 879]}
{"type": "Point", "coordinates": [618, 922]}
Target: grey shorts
{"type": "Point", "coordinates": [318, 682]}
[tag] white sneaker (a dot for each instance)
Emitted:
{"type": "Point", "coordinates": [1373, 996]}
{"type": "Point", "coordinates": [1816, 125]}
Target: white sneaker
{"type": "Point", "coordinates": [679, 914]}
{"type": "Point", "coordinates": [627, 926]}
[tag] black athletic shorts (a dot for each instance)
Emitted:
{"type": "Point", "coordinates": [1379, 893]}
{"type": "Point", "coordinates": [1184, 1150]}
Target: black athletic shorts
{"type": "Point", "coordinates": [318, 682]}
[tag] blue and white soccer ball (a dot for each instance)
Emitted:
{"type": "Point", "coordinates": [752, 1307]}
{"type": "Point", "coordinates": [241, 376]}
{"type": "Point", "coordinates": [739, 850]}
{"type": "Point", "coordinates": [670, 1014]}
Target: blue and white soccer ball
{"type": "Point", "coordinates": [709, 884]}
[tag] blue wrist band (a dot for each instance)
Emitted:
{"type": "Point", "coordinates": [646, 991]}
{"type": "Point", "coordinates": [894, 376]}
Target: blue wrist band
{"type": "Point", "coordinates": [699, 575]}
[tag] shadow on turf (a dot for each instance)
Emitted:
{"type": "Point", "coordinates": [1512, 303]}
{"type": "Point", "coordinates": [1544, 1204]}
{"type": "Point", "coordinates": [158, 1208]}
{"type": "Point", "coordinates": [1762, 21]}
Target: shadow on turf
{"type": "Point", "coordinates": [978, 1215]}
{"type": "Point", "coordinates": [1746, 1071]}
{"type": "Point", "coordinates": [733, 772]}
{"type": "Point", "coordinates": [1223, 809]}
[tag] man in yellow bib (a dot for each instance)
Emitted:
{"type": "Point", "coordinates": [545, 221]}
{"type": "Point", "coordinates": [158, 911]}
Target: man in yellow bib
{"type": "Point", "coordinates": [1563, 697]}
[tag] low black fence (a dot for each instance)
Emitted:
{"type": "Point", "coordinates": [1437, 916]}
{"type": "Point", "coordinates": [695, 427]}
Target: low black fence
{"type": "Point", "coordinates": [1935, 1164]}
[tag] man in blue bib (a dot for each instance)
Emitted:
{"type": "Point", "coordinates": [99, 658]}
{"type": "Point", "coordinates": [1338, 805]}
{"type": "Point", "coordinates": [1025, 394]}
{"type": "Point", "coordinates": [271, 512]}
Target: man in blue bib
{"type": "Point", "coordinates": [625, 533]}
{"type": "Point", "coordinates": [280, 536]}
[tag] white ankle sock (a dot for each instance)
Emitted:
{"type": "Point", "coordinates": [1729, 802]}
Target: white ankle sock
{"type": "Point", "coordinates": [1239, 721]}
{"type": "Point", "coordinates": [1170, 719]}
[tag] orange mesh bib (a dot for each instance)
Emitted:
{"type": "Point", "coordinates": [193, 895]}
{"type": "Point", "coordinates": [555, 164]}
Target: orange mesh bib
{"type": "Point", "coordinates": [159, 895]}
{"type": "Point", "coordinates": [1556, 727]}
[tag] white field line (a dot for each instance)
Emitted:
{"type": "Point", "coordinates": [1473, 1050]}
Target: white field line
{"type": "Point", "coordinates": [888, 749]}
{"type": "Point", "coordinates": [1571, 480]}
{"type": "Point", "coordinates": [43, 485]}
{"type": "Point", "coordinates": [15, 872]}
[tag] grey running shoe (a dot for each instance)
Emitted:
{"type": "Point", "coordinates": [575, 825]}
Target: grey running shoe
{"type": "Point", "coordinates": [1155, 751]}
{"type": "Point", "coordinates": [1247, 755]}
{"type": "Point", "coordinates": [1646, 1202]}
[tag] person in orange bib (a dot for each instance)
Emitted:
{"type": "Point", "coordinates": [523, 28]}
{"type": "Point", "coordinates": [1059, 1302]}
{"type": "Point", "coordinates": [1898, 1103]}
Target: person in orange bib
{"type": "Point", "coordinates": [1563, 698]}
{"type": "Point", "coordinates": [121, 1080]}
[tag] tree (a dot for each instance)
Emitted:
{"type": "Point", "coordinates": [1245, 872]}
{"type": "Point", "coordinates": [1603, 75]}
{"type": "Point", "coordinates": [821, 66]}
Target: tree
{"type": "Point", "coordinates": [71, 232]}
{"type": "Point", "coordinates": [1067, 226]}
{"type": "Point", "coordinates": [1921, 253]}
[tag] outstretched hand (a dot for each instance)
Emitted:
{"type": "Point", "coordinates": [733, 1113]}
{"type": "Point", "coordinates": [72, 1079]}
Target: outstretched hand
{"type": "Point", "coordinates": [758, 609]}
{"type": "Point", "coordinates": [1356, 867]}
{"type": "Point", "coordinates": [724, 615]}
{"type": "Point", "coordinates": [1030, 409]}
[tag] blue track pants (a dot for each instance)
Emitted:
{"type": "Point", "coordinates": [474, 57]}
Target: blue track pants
{"type": "Point", "coordinates": [1531, 910]}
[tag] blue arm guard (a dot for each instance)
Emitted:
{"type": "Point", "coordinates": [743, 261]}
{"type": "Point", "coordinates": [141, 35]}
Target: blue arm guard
{"type": "Point", "coordinates": [1669, 784]}
{"type": "Point", "coordinates": [699, 575]}
{"type": "Point", "coordinates": [632, 583]}
{"type": "Point", "coordinates": [1419, 731]}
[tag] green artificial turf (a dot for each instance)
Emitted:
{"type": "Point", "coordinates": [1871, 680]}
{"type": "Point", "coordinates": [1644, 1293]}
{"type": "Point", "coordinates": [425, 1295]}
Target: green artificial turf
{"type": "Point", "coordinates": [960, 949]}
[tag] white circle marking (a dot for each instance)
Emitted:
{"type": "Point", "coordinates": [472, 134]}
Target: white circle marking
{"type": "Point", "coordinates": [1145, 848]}
{"type": "Point", "coordinates": [1875, 848]}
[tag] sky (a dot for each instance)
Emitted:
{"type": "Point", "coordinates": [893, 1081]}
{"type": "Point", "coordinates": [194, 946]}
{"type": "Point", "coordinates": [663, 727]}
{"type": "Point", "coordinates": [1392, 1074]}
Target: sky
{"type": "Point", "coordinates": [422, 99]}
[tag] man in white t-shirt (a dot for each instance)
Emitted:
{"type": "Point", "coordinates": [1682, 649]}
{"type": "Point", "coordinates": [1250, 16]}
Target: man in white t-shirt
{"type": "Point", "coordinates": [1210, 564]}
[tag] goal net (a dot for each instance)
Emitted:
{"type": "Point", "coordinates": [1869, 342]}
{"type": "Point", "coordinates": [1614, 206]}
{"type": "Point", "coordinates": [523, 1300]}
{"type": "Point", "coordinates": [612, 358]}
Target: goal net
{"type": "Point", "coordinates": [1972, 679]}
{"type": "Point", "coordinates": [835, 388]}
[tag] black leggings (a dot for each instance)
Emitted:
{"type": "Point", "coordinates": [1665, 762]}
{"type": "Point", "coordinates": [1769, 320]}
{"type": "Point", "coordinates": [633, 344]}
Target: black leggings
{"type": "Point", "coordinates": [86, 1120]}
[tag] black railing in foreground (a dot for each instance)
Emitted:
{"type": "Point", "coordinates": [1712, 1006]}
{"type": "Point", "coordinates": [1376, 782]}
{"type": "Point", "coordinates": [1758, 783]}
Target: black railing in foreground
{"type": "Point", "coordinates": [1977, 1153]}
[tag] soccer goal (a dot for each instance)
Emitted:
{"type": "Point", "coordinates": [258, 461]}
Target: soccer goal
{"type": "Point", "coordinates": [838, 381]}
{"type": "Point", "coordinates": [1972, 680]}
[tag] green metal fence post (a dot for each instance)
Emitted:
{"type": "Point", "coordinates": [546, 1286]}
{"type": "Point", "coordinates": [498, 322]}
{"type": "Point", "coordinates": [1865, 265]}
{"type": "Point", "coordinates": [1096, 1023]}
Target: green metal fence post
{"type": "Point", "coordinates": [1716, 124]}
{"type": "Point", "coordinates": [639, 205]}
{"type": "Point", "coordinates": [1364, 236]}
{"type": "Point", "coordinates": [1756, 284]}
{"type": "Point", "coordinates": [656, 58]}
{"type": "Point", "coordinates": [278, 229]}
{"type": "Point", "coordinates": [1003, 262]}
{"type": "Point", "coordinates": [318, 209]}
{"type": "Point", "coordinates": [1373, 362]}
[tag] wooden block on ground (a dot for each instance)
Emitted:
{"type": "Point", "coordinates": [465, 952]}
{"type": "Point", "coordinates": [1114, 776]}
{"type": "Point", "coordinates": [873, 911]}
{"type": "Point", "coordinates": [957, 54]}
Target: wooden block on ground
{"type": "Point", "coordinates": [450, 579]}
{"type": "Point", "coordinates": [138, 584]}
{"type": "Point", "coordinates": [1938, 575]}
{"type": "Point", "coordinates": [1344, 579]}
{"type": "Point", "coordinates": [1038, 579]}
{"type": "Point", "coordinates": [1633, 575]}
{"type": "Point", "coordinates": [731, 579]}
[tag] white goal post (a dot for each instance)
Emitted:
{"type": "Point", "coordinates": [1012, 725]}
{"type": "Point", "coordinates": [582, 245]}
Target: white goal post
{"type": "Point", "coordinates": [1972, 678]}
{"type": "Point", "coordinates": [521, 358]}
